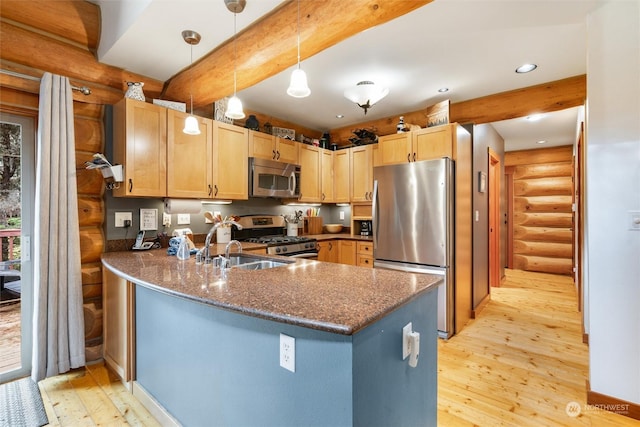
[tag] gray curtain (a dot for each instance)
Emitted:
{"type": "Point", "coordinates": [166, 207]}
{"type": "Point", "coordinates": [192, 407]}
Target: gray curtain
{"type": "Point", "coordinates": [58, 326]}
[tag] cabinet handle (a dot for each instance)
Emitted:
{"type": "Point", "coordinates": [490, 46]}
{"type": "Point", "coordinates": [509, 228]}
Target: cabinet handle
{"type": "Point", "coordinates": [277, 155]}
{"type": "Point", "coordinates": [216, 192]}
{"type": "Point", "coordinates": [330, 245]}
{"type": "Point", "coordinates": [322, 196]}
{"type": "Point", "coordinates": [273, 157]}
{"type": "Point", "coordinates": [130, 185]}
{"type": "Point", "coordinates": [408, 157]}
{"type": "Point", "coordinates": [210, 189]}
{"type": "Point", "coordinates": [414, 157]}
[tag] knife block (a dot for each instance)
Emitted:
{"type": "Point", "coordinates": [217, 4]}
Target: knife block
{"type": "Point", "coordinates": [312, 225]}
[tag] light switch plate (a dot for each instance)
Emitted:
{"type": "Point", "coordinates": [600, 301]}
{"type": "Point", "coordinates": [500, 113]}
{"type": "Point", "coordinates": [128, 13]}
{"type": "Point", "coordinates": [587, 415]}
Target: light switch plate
{"type": "Point", "coordinates": [121, 217]}
{"type": "Point", "coordinates": [406, 344]}
{"type": "Point", "coordinates": [634, 220]}
{"type": "Point", "coordinates": [184, 219]}
{"type": "Point", "coordinates": [288, 352]}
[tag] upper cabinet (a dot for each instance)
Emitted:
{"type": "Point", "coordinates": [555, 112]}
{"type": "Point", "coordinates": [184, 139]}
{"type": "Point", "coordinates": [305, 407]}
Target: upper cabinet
{"type": "Point", "coordinates": [361, 173]}
{"type": "Point", "coordinates": [327, 183]}
{"type": "Point", "coordinates": [310, 174]}
{"type": "Point", "coordinates": [269, 147]}
{"type": "Point", "coordinates": [189, 158]}
{"type": "Point", "coordinates": [341, 176]}
{"type": "Point", "coordinates": [424, 144]}
{"type": "Point", "coordinates": [140, 144]}
{"type": "Point", "coordinates": [230, 165]}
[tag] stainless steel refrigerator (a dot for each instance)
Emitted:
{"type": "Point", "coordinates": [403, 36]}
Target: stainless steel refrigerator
{"type": "Point", "coordinates": [413, 225]}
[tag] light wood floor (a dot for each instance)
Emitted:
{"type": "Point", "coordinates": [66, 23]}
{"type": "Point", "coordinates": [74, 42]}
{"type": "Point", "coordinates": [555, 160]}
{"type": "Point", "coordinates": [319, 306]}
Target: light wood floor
{"type": "Point", "coordinates": [519, 364]}
{"type": "Point", "coordinates": [9, 336]}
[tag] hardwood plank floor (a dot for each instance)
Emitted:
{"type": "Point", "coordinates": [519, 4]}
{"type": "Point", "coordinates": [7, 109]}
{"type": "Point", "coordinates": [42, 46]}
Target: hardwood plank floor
{"type": "Point", "coordinates": [518, 364]}
{"type": "Point", "coordinates": [10, 339]}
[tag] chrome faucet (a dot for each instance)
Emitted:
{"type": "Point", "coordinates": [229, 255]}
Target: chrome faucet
{"type": "Point", "coordinates": [228, 247]}
{"type": "Point", "coordinates": [205, 255]}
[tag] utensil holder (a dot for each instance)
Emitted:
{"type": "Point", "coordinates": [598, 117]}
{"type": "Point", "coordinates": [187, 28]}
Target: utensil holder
{"type": "Point", "coordinates": [292, 229]}
{"type": "Point", "coordinates": [312, 225]}
{"type": "Point", "coordinates": [223, 235]}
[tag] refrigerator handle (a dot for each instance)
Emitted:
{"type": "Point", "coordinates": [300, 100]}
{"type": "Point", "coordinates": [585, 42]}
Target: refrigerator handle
{"type": "Point", "coordinates": [374, 212]}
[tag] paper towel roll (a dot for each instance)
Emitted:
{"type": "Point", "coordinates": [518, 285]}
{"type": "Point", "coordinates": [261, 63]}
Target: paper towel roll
{"type": "Point", "coordinates": [182, 206]}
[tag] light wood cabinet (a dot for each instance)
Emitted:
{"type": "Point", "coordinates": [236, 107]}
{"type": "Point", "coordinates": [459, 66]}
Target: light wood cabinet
{"type": "Point", "coordinates": [348, 252]}
{"type": "Point", "coordinates": [118, 302]}
{"type": "Point", "coordinates": [140, 144]}
{"type": "Point", "coordinates": [327, 179]}
{"type": "Point", "coordinates": [310, 174]}
{"type": "Point", "coordinates": [364, 251]}
{"type": "Point", "coordinates": [341, 176]}
{"type": "Point", "coordinates": [230, 165]}
{"type": "Point", "coordinates": [189, 158]}
{"type": "Point", "coordinates": [269, 147]}
{"type": "Point", "coordinates": [361, 162]}
{"type": "Point", "coordinates": [425, 144]}
{"type": "Point", "coordinates": [328, 251]}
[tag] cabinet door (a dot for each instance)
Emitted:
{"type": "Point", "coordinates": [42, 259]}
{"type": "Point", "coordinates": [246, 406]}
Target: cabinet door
{"type": "Point", "coordinates": [361, 173]}
{"type": "Point", "coordinates": [327, 180]}
{"type": "Point", "coordinates": [348, 252]}
{"type": "Point", "coordinates": [140, 144]}
{"type": "Point", "coordinates": [433, 143]}
{"type": "Point", "coordinates": [395, 148]}
{"type": "Point", "coordinates": [341, 176]}
{"type": "Point", "coordinates": [230, 170]}
{"type": "Point", "coordinates": [328, 251]}
{"type": "Point", "coordinates": [262, 145]}
{"type": "Point", "coordinates": [287, 150]}
{"type": "Point", "coordinates": [118, 317]}
{"type": "Point", "coordinates": [189, 158]}
{"type": "Point", "coordinates": [310, 172]}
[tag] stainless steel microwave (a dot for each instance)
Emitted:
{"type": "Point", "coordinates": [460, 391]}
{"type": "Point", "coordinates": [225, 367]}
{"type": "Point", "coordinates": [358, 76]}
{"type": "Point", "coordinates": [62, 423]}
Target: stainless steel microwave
{"type": "Point", "coordinates": [268, 178]}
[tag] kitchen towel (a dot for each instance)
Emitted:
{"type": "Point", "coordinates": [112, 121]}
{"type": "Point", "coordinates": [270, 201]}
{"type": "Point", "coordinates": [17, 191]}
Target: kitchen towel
{"type": "Point", "coordinates": [182, 206]}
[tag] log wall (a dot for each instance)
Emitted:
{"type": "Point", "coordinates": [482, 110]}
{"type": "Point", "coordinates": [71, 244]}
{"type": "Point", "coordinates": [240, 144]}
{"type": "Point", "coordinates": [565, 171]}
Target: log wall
{"type": "Point", "coordinates": [89, 135]}
{"type": "Point", "coordinates": [542, 217]}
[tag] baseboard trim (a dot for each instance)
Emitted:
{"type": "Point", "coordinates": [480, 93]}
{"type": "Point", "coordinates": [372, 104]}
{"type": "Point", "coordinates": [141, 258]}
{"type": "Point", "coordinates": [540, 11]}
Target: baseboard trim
{"type": "Point", "coordinates": [476, 311]}
{"type": "Point", "coordinates": [156, 409]}
{"type": "Point", "coordinates": [612, 404]}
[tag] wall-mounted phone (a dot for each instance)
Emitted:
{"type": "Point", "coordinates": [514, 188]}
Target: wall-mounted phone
{"type": "Point", "coordinates": [140, 244]}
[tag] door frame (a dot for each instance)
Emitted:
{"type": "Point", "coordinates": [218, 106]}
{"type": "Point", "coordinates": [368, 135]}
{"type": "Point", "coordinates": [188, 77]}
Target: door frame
{"type": "Point", "coordinates": [493, 185]}
{"type": "Point", "coordinates": [29, 120]}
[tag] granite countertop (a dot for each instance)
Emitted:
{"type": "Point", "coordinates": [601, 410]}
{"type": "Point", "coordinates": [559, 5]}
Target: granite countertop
{"type": "Point", "coordinates": [331, 297]}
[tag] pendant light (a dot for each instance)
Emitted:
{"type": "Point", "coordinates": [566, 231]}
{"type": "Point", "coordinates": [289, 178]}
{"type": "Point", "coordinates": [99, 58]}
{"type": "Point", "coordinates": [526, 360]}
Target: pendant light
{"type": "Point", "coordinates": [191, 126]}
{"type": "Point", "coordinates": [298, 87]}
{"type": "Point", "coordinates": [234, 105]}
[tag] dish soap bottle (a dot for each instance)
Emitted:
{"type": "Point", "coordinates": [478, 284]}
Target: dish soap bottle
{"type": "Point", "coordinates": [183, 248]}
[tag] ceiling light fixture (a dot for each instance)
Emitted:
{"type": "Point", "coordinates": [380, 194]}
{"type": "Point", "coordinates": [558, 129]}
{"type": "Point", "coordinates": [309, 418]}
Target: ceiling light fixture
{"type": "Point", "coordinates": [365, 94]}
{"type": "Point", "coordinates": [298, 87]}
{"type": "Point", "coordinates": [443, 89]}
{"type": "Point", "coordinates": [234, 105]}
{"type": "Point", "coordinates": [534, 117]}
{"type": "Point", "coordinates": [191, 126]}
{"type": "Point", "coordinates": [526, 68]}
{"type": "Point", "coordinates": [542, 141]}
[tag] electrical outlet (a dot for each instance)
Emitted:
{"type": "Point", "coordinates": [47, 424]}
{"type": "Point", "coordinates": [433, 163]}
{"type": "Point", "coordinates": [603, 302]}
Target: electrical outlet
{"type": "Point", "coordinates": [184, 219]}
{"type": "Point", "coordinates": [406, 343]}
{"type": "Point", "coordinates": [166, 219]}
{"type": "Point", "coordinates": [341, 215]}
{"type": "Point", "coordinates": [288, 352]}
{"type": "Point", "coordinates": [121, 217]}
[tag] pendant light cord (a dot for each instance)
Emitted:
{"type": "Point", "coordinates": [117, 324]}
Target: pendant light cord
{"type": "Point", "coordinates": [235, 53]}
{"type": "Point", "coordinates": [298, 34]}
{"type": "Point", "coordinates": [191, 83]}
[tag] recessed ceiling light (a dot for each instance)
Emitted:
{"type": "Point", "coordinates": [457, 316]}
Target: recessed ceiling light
{"type": "Point", "coordinates": [542, 141]}
{"type": "Point", "coordinates": [534, 117]}
{"type": "Point", "coordinates": [525, 68]}
{"type": "Point", "coordinates": [443, 89]}
{"type": "Point", "coordinates": [339, 116]}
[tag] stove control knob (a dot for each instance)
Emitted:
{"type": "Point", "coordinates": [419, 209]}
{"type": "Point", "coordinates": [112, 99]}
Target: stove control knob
{"type": "Point", "coordinates": [277, 250]}
{"type": "Point", "coordinates": [284, 249]}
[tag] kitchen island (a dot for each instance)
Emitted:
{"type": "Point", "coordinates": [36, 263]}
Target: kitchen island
{"type": "Point", "coordinates": [207, 347]}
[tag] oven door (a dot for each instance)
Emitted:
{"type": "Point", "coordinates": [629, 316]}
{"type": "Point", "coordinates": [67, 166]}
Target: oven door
{"type": "Point", "coordinates": [307, 255]}
{"type": "Point", "coordinates": [273, 179]}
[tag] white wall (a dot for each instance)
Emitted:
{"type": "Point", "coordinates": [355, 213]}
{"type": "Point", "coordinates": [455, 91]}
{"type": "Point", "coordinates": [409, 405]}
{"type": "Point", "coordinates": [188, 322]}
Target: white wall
{"type": "Point", "coordinates": [613, 189]}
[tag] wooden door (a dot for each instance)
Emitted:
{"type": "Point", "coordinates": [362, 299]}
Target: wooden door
{"type": "Point", "coordinates": [262, 145]}
{"type": "Point", "coordinates": [230, 170]}
{"type": "Point", "coordinates": [433, 143]}
{"type": "Point", "coordinates": [328, 251]}
{"type": "Point", "coordinates": [494, 218]}
{"type": "Point", "coordinates": [348, 252]}
{"type": "Point", "coordinates": [395, 148]}
{"type": "Point", "coordinates": [287, 150]}
{"type": "Point", "coordinates": [361, 173]}
{"type": "Point", "coordinates": [341, 176]}
{"type": "Point", "coordinates": [189, 158]}
{"type": "Point", "coordinates": [310, 174]}
{"type": "Point", "coordinates": [140, 144]}
{"type": "Point", "coordinates": [327, 178]}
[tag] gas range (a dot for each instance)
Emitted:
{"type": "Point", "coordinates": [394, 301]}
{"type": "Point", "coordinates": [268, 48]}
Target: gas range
{"type": "Point", "coordinates": [270, 230]}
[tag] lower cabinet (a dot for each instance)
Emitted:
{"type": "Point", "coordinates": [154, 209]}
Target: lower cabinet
{"type": "Point", "coordinates": [364, 254]}
{"type": "Point", "coordinates": [328, 251]}
{"type": "Point", "coordinates": [348, 252]}
{"type": "Point", "coordinates": [119, 336]}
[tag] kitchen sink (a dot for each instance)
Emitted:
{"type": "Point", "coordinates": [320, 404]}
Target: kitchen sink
{"type": "Point", "coordinates": [260, 265]}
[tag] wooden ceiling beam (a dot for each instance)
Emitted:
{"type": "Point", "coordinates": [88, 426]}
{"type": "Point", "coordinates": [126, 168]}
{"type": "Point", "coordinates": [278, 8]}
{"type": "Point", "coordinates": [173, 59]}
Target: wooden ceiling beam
{"type": "Point", "coordinates": [269, 46]}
